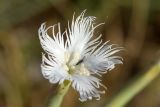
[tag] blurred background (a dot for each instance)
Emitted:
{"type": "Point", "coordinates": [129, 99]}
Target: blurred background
{"type": "Point", "coordinates": [133, 24]}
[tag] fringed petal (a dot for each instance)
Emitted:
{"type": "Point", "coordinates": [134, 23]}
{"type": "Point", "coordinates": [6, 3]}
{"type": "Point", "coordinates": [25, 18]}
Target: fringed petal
{"type": "Point", "coordinates": [102, 59]}
{"type": "Point", "coordinates": [87, 86]}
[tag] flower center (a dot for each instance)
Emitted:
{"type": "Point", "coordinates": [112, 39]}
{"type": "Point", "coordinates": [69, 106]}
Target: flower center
{"type": "Point", "coordinates": [83, 70]}
{"type": "Point", "coordinates": [74, 64]}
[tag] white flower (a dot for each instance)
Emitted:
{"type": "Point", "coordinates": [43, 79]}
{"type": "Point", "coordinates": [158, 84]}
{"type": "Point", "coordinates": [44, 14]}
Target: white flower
{"type": "Point", "coordinates": [79, 59]}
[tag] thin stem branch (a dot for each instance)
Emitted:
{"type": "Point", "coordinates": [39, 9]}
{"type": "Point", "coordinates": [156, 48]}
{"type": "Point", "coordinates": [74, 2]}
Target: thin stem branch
{"type": "Point", "coordinates": [121, 99]}
{"type": "Point", "coordinates": [57, 100]}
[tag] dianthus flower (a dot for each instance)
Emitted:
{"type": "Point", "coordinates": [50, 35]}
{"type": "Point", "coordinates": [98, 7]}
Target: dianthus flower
{"type": "Point", "coordinates": [76, 56]}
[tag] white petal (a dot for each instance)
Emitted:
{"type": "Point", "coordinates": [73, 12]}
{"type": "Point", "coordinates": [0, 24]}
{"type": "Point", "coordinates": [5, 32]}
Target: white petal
{"type": "Point", "coordinates": [80, 33]}
{"type": "Point", "coordinates": [52, 46]}
{"type": "Point", "coordinates": [101, 60]}
{"type": "Point", "coordinates": [52, 71]}
{"type": "Point", "coordinates": [87, 86]}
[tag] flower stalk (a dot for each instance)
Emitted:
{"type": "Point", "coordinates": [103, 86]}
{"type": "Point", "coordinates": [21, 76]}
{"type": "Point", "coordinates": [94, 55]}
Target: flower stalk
{"type": "Point", "coordinates": [121, 99]}
{"type": "Point", "coordinates": [58, 98]}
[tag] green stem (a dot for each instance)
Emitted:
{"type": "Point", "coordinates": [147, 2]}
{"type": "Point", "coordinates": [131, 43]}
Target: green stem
{"type": "Point", "coordinates": [57, 100]}
{"type": "Point", "coordinates": [122, 98]}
